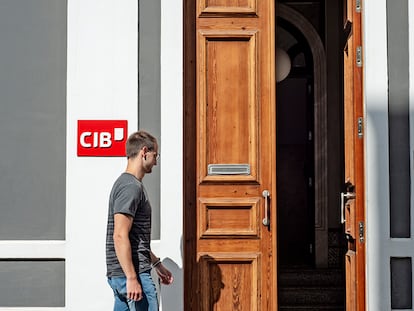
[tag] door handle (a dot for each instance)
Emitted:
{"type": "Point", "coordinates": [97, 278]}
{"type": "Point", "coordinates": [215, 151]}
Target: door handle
{"type": "Point", "coordinates": [344, 198]}
{"type": "Point", "coordinates": [266, 196]}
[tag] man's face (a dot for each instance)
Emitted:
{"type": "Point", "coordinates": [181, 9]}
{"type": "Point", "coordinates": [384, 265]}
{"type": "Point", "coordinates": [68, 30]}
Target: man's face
{"type": "Point", "coordinates": [150, 159]}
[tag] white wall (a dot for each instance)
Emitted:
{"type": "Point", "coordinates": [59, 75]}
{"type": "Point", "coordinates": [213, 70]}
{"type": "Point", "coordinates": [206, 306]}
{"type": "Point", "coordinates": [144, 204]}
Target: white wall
{"type": "Point", "coordinates": [380, 247]}
{"type": "Point", "coordinates": [376, 105]}
{"type": "Point", "coordinates": [101, 84]}
{"type": "Point", "coordinates": [172, 149]}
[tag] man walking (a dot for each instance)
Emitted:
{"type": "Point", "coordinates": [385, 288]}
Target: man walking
{"type": "Point", "coordinates": [129, 257]}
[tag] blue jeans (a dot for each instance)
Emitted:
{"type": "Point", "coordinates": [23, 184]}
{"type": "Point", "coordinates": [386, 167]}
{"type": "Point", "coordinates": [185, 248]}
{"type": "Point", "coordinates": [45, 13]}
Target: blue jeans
{"type": "Point", "coordinates": [149, 301]}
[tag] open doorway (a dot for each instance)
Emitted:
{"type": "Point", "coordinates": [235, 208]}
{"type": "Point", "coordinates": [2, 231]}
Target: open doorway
{"type": "Point", "coordinates": [309, 128]}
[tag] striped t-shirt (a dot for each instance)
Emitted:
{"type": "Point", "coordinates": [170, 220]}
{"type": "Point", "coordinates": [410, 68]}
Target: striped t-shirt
{"type": "Point", "coordinates": [128, 196]}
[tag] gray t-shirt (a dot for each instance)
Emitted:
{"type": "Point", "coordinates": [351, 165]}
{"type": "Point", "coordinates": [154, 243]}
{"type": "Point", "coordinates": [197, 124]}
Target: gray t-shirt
{"type": "Point", "coordinates": [128, 196]}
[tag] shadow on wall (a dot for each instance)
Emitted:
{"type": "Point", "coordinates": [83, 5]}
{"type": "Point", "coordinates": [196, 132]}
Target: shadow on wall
{"type": "Point", "coordinates": [171, 296]}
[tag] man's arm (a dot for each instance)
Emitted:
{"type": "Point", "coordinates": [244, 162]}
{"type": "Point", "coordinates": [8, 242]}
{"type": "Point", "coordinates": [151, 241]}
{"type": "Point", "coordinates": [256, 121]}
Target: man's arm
{"type": "Point", "coordinates": [122, 226]}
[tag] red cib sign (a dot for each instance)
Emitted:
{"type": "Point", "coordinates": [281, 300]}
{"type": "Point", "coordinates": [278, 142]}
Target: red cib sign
{"type": "Point", "coordinates": [102, 138]}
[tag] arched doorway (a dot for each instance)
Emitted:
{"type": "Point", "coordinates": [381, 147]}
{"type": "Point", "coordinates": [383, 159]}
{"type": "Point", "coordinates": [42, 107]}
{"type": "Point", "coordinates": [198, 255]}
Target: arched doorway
{"type": "Point", "coordinates": [306, 276]}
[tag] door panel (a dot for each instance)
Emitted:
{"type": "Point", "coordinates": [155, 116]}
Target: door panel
{"type": "Point", "coordinates": [233, 218]}
{"type": "Point", "coordinates": [227, 6]}
{"type": "Point", "coordinates": [228, 110]}
{"type": "Point", "coordinates": [351, 285]}
{"type": "Point", "coordinates": [235, 156]}
{"type": "Point", "coordinates": [353, 197]}
{"type": "Point", "coordinates": [223, 279]}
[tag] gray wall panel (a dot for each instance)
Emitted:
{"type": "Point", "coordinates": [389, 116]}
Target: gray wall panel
{"type": "Point", "coordinates": [32, 119]}
{"type": "Point", "coordinates": [149, 100]}
{"type": "Point", "coordinates": [32, 283]}
{"type": "Point", "coordinates": [399, 126]}
{"type": "Point", "coordinates": [401, 283]}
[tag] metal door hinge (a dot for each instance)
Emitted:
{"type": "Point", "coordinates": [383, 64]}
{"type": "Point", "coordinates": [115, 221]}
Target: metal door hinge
{"type": "Point", "coordinates": [359, 56]}
{"type": "Point", "coordinates": [360, 127]}
{"type": "Point", "coordinates": [358, 6]}
{"type": "Point", "coordinates": [361, 232]}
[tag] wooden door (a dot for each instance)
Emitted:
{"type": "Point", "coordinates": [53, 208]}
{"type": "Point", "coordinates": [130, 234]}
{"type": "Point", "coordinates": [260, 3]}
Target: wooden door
{"type": "Point", "coordinates": [353, 197]}
{"type": "Point", "coordinates": [234, 241]}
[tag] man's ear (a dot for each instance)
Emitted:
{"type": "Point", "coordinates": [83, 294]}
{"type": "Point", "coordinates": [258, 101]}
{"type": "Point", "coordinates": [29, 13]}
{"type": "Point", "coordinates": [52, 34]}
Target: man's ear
{"type": "Point", "coordinates": [145, 150]}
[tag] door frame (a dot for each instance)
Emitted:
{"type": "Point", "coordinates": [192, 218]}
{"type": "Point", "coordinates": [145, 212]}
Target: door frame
{"type": "Point", "coordinates": [189, 154]}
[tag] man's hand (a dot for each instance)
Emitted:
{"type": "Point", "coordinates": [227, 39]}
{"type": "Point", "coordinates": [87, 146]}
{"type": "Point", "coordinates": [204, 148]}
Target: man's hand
{"type": "Point", "coordinates": [134, 290]}
{"type": "Point", "coordinates": [164, 274]}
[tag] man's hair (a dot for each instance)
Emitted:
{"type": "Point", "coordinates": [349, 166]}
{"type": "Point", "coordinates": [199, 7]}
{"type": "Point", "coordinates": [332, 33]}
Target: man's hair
{"type": "Point", "coordinates": [137, 141]}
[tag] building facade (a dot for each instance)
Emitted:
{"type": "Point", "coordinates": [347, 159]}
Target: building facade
{"type": "Point", "coordinates": [202, 76]}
